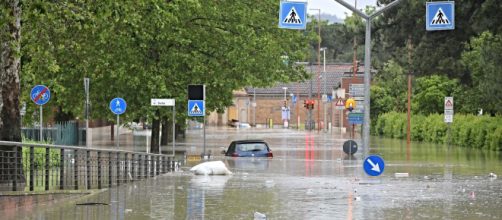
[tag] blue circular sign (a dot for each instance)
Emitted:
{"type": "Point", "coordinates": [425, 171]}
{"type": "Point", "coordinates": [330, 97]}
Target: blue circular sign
{"type": "Point", "coordinates": [40, 94]}
{"type": "Point", "coordinates": [374, 165]}
{"type": "Point", "coordinates": [118, 106]}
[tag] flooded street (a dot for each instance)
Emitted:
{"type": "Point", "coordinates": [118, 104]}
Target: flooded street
{"type": "Point", "coordinates": [309, 178]}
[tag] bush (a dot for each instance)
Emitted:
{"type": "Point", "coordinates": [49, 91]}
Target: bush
{"type": "Point", "coordinates": [482, 132]}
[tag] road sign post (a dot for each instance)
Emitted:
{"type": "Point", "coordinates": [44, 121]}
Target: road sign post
{"type": "Point", "coordinates": [86, 88]}
{"type": "Point", "coordinates": [40, 94]}
{"type": "Point", "coordinates": [167, 102]}
{"type": "Point", "coordinates": [118, 106]}
{"type": "Point", "coordinates": [448, 113]}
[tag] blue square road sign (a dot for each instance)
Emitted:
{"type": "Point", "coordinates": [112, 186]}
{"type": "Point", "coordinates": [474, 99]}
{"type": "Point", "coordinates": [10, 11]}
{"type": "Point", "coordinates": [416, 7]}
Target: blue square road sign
{"type": "Point", "coordinates": [440, 16]}
{"type": "Point", "coordinates": [293, 15]}
{"type": "Point", "coordinates": [196, 108]}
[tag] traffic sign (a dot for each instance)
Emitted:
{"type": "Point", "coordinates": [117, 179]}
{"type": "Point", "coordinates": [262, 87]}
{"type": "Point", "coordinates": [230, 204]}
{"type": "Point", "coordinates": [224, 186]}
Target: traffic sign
{"type": "Point", "coordinates": [40, 94]}
{"type": "Point", "coordinates": [118, 106]}
{"type": "Point", "coordinates": [196, 108]}
{"type": "Point", "coordinates": [356, 118]}
{"type": "Point", "coordinates": [285, 113]}
{"type": "Point", "coordinates": [448, 103]}
{"type": "Point", "coordinates": [162, 102]}
{"type": "Point", "coordinates": [374, 165]}
{"type": "Point", "coordinates": [440, 16]}
{"type": "Point", "coordinates": [292, 15]}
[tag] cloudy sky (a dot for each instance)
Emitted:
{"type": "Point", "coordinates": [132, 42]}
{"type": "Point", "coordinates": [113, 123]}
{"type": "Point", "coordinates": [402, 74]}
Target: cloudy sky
{"type": "Point", "coordinates": [332, 7]}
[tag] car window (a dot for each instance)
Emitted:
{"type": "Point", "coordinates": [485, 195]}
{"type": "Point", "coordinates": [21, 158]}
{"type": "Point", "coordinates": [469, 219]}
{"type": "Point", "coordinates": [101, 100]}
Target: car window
{"type": "Point", "coordinates": [251, 147]}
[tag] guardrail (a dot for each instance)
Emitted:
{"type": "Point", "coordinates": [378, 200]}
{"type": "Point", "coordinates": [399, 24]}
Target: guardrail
{"type": "Point", "coordinates": [38, 167]}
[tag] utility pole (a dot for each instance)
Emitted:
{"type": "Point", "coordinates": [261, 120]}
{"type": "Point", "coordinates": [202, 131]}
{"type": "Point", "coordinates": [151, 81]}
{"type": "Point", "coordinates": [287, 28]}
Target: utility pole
{"type": "Point", "coordinates": [319, 70]}
{"type": "Point", "coordinates": [408, 128]}
{"type": "Point", "coordinates": [367, 65]}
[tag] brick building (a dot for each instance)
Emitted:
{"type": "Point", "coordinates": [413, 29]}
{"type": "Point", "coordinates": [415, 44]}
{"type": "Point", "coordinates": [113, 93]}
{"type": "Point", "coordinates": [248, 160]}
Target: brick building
{"type": "Point", "coordinates": [259, 106]}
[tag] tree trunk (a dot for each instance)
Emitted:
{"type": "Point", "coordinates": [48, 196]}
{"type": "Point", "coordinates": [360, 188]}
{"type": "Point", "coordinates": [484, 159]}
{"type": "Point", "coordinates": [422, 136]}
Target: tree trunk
{"type": "Point", "coordinates": [166, 132]}
{"type": "Point", "coordinates": [10, 118]}
{"type": "Point", "coordinates": [154, 146]}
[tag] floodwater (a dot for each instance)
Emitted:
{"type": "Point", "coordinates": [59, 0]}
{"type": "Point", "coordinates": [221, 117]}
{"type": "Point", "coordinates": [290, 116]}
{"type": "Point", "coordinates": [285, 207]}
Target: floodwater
{"type": "Point", "coordinates": [308, 178]}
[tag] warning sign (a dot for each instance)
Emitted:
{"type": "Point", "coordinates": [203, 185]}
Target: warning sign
{"type": "Point", "coordinates": [292, 17]}
{"type": "Point", "coordinates": [448, 103]}
{"type": "Point", "coordinates": [440, 18]}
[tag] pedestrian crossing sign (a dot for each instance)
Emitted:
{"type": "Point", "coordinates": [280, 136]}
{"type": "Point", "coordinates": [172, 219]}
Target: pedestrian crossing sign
{"type": "Point", "coordinates": [196, 108]}
{"type": "Point", "coordinates": [440, 16]}
{"type": "Point", "coordinates": [292, 15]}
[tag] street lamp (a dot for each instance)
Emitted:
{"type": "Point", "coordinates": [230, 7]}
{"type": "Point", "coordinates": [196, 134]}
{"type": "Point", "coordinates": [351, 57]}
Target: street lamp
{"type": "Point", "coordinates": [318, 63]}
{"type": "Point", "coordinates": [324, 96]}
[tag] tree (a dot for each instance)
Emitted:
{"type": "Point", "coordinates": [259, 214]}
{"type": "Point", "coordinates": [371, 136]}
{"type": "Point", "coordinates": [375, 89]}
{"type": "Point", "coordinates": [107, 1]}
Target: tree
{"type": "Point", "coordinates": [153, 49]}
{"type": "Point", "coordinates": [483, 59]}
{"type": "Point", "coordinates": [10, 36]}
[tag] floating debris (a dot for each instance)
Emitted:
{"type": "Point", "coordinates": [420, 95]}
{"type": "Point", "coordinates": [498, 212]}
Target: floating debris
{"type": "Point", "coordinates": [259, 216]}
{"type": "Point", "coordinates": [401, 175]}
{"type": "Point", "coordinates": [92, 203]}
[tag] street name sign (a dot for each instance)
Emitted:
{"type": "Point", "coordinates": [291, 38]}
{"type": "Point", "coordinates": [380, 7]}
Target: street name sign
{"type": "Point", "coordinates": [162, 102]}
{"type": "Point", "coordinates": [293, 15]}
{"type": "Point", "coordinates": [118, 106]}
{"type": "Point", "coordinates": [40, 94]}
{"type": "Point", "coordinates": [440, 16]}
{"type": "Point", "coordinates": [374, 165]}
{"type": "Point", "coordinates": [196, 108]}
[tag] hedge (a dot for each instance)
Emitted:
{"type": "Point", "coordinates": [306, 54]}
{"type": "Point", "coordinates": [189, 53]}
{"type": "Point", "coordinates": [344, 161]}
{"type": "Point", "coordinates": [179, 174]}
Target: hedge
{"type": "Point", "coordinates": [482, 132]}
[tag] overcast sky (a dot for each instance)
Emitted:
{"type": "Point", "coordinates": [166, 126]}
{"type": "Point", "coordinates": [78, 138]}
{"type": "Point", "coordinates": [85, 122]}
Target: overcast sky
{"type": "Point", "coordinates": [332, 7]}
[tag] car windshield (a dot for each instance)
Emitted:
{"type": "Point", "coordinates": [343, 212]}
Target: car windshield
{"type": "Point", "coordinates": [246, 147]}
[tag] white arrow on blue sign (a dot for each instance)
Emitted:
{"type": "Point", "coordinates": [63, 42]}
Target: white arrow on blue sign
{"type": "Point", "coordinates": [40, 94]}
{"type": "Point", "coordinates": [374, 165]}
{"type": "Point", "coordinates": [118, 106]}
{"type": "Point", "coordinates": [440, 16]}
{"type": "Point", "coordinates": [292, 15]}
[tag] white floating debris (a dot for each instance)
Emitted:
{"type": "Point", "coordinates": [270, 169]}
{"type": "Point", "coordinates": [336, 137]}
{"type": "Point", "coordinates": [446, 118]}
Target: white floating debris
{"type": "Point", "coordinates": [211, 168]}
{"type": "Point", "coordinates": [127, 210]}
{"type": "Point", "coordinates": [401, 175]}
{"type": "Point", "coordinates": [259, 216]}
{"type": "Point", "coordinates": [269, 183]}
{"type": "Point", "coordinates": [426, 178]}
{"type": "Point", "coordinates": [492, 175]}
{"type": "Point", "coordinates": [357, 198]}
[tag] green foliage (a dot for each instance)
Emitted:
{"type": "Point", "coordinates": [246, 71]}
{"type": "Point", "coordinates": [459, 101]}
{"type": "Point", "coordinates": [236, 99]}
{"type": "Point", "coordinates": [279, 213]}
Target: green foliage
{"type": "Point", "coordinates": [482, 57]}
{"type": "Point", "coordinates": [481, 132]}
{"type": "Point", "coordinates": [146, 49]}
{"type": "Point", "coordinates": [39, 155]}
{"type": "Point", "coordinates": [430, 92]}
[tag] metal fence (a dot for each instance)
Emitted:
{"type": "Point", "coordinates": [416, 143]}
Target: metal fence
{"type": "Point", "coordinates": [38, 167]}
{"type": "Point", "coordinates": [63, 133]}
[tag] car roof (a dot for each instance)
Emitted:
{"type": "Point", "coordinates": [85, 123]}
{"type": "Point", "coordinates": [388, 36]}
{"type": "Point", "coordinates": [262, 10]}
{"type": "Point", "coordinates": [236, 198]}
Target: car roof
{"type": "Point", "coordinates": [248, 141]}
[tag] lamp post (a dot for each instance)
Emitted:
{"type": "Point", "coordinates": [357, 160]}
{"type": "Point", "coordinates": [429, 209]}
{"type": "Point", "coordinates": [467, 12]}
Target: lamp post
{"type": "Point", "coordinates": [324, 96]}
{"type": "Point", "coordinates": [367, 60]}
{"type": "Point", "coordinates": [318, 65]}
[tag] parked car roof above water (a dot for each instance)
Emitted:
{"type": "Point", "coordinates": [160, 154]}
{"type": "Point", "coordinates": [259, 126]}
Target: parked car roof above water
{"type": "Point", "coordinates": [249, 148]}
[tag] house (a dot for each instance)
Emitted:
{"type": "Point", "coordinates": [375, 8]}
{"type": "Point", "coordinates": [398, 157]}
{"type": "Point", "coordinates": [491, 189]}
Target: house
{"type": "Point", "coordinates": [263, 107]}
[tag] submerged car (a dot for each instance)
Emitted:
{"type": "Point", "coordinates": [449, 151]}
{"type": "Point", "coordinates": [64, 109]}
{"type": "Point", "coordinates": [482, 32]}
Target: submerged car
{"type": "Point", "coordinates": [248, 148]}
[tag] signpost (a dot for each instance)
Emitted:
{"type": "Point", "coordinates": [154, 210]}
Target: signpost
{"type": "Point", "coordinates": [197, 106]}
{"type": "Point", "coordinates": [374, 165]}
{"type": "Point", "coordinates": [86, 89]}
{"type": "Point", "coordinates": [40, 94]}
{"type": "Point", "coordinates": [292, 15]}
{"type": "Point", "coordinates": [118, 106]}
{"type": "Point", "coordinates": [440, 16]}
{"type": "Point", "coordinates": [448, 113]}
{"type": "Point", "coordinates": [167, 102]}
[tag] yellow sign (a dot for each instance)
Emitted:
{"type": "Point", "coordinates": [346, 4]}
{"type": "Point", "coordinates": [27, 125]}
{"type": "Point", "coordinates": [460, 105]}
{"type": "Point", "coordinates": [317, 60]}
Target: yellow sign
{"type": "Point", "coordinates": [350, 104]}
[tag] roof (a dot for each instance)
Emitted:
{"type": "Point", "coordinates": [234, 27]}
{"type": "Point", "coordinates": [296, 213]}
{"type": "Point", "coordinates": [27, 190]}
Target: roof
{"type": "Point", "coordinates": [334, 74]}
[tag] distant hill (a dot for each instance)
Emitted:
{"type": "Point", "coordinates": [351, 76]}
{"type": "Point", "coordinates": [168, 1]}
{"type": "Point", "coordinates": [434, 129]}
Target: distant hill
{"type": "Point", "coordinates": [329, 17]}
